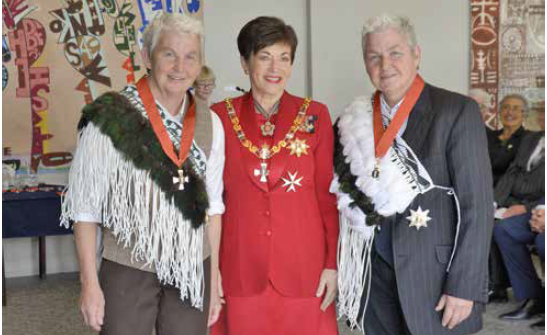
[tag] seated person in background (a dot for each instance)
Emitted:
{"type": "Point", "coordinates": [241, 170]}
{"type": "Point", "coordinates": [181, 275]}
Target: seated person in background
{"type": "Point", "coordinates": [520, 190]}
{"type": "Point", "coordinates": [204, 84]}
{"type": "Point", "coordinates": [503, 143]}
{"type": "Point", "coordinates": [513, 235]}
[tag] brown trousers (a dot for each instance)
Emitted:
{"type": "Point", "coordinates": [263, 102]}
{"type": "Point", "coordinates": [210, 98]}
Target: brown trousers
{"type": "Point", "coordinates": [136, 303]}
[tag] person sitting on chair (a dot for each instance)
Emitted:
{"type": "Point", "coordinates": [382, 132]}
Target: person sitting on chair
{"type": "Point", "coordinates": [517, 230]}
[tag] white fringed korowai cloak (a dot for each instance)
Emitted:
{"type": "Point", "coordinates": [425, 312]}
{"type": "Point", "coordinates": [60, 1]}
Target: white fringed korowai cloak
{"type": "Point", "coordinates": [103, 185]}
{"type": "Point", "coordinates": [401, 179]}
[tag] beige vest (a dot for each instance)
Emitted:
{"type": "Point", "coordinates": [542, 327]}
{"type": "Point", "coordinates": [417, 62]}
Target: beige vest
{"type": "Point", "coordinates": [116, 252]}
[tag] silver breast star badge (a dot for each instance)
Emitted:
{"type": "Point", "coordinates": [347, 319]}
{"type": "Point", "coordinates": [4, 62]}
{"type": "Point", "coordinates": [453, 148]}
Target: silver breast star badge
{"type": "Point", "coordinates": [292, 182]}
{"type": "Point", "coordinates": [418, 218]}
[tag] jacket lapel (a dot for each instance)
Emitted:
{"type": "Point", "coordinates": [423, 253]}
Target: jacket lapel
{"type": "Point", "coordinates": [530, 151]}
{"type": "Point", "coordinates": [419, 122]}
{"type": "Point", "coordinates": [248, 122]}
{"type": "Point", "coordinates": [288, 109]}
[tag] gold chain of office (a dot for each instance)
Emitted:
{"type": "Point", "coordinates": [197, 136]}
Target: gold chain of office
{"type": "Point", "coordinates": [265, 152]}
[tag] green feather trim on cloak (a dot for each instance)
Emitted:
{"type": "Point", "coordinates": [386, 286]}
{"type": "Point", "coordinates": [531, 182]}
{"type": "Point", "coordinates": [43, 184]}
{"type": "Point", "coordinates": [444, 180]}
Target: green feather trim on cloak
{"type": "Point", "coordinates": [133, 136]}
{"type": "Point", "coordinates": [347, 182]}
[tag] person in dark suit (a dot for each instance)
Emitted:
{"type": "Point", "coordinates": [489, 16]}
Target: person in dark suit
{"type": "Point", "coordinates": [513, 236]}
{"type": "Point", "coordinates": [503, 143]}
{"type": "Point", "coordinates": [520, 195]}
{"type": "Point", "coordinates": [429, 259]}
{"type": "Point", "coordinates": [503, 146]}
{"type": "Point", "coordinates": [523, 185]}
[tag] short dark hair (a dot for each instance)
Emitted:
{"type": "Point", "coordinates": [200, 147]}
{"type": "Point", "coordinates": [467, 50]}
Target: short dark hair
{"type": "Point", "coordinates": [263, 32]}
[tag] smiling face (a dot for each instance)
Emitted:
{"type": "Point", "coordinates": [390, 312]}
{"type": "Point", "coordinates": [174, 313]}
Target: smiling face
{"type": "Point", "coordinates": [175, 63]}
{"type": "Point", "coordinates": [269, 69]}
{"type": "Point", "coordinates": [512, 112]}
{"type": "Point", "coordinates": [391, 63]}
{"type": "Point", "coordinates": [204, 88]}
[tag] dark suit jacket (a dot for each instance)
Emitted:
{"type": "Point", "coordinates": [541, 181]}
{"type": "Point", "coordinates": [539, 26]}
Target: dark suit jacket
{"type": "Point", "coordinates": [521, 187]}
{"type": "Point", "coordinates": [502, 153]}
{"type": "Point", "coordinates": [445, 130]}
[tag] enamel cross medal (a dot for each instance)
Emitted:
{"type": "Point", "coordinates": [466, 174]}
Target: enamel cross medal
{"type": "Point", "coordinates": [187, 136]}
{"type": "Point", "coordinates": [263, 172]}
{"type": "Point", "coordinates": [292, 182]}
{"type": "Point", "coordinates": [181, 179]}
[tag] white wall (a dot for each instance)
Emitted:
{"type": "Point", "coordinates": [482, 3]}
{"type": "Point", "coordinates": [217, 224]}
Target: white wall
{"type": "Point", "coordinates": [224, 20]}
{"type": "Point", "coordinates": [337, 72]}
{"type": "Point", "coordinates": [442, 28]}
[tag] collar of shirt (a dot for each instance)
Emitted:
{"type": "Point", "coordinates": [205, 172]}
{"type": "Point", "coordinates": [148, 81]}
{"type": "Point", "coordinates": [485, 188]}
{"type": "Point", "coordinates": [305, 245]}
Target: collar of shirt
{"type": "Point", "coordinates": [388, 113]}
{"type": "Point", "coordinates": [176, 118]}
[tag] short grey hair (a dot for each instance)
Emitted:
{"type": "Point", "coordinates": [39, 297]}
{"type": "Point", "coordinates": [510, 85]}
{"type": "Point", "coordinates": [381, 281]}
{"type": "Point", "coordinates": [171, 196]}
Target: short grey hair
{"type": "Point", "coordinates": [176, 22]}
{"type": "Point", "coordinates": [385, 21]}
{"type": "Point", "coordinates": [518, 97]}
{"type": "Point", "coordinates": [482, 95]}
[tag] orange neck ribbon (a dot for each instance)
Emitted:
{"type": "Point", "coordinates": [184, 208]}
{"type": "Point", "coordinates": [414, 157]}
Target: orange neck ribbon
{"type": "Point", "coordinates": [384, 139]}
{"type": "Point", "coordinates": [188, 124]}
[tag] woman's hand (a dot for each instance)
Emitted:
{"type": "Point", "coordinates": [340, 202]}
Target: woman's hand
{"type": "Point", "coordinates": [217, 300]}
{"type": "Point", "coordinates": [514, 210]}
{"type": "Point", "coordinates": [92, 306]}
{"type": "Point", "coordinates": [537, 222]}
{"type": "Point", "coordinates": [329, 283]}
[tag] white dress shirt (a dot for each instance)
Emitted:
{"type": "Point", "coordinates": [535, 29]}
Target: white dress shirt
{"type": "Point", "coordinates": [388, 113]}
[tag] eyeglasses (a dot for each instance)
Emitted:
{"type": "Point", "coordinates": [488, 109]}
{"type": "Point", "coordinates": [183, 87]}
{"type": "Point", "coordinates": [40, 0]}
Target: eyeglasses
{"type": "Point", "coordinates": [206, 85]}
{"type": "Point", "coordinates": [507, 107]}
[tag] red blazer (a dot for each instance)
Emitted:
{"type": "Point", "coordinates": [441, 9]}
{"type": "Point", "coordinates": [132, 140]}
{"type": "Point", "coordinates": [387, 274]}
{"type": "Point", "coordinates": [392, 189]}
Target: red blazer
{"type": "Point", "coordinates": [268, 233]}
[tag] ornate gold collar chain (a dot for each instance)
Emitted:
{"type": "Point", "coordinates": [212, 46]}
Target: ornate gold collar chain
{"type": "Point", "coordinates": [265, 152]}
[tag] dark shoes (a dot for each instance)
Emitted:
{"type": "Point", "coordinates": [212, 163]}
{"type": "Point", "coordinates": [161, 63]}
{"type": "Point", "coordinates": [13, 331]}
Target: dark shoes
{"type": "Point", "coordinates": [498, 296]}
{"type": "Point", "coordinates": [540, 325]}
{"type": "Point", "coordinates": [529, 309]}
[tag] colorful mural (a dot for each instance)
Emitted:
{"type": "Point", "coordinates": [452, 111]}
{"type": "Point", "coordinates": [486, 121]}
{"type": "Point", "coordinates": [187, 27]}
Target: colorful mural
{"type": "Point", "coordinates": [508, 51]}
{"type": "Point", "coordinates": [58, 56]}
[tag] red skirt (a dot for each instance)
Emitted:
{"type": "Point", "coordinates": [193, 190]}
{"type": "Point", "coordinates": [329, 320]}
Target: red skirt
{"type": "Point", "coordinates": [270, 313]}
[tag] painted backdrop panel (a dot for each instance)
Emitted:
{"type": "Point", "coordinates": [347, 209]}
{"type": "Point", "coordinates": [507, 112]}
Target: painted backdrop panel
{"type": "Point", "coordinates": [508, 51]}
{"type": "Point", "coordinates": [59, 55]}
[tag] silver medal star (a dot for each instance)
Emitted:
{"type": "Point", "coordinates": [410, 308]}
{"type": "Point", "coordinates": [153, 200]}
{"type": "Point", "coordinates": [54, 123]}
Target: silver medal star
{"type": "Point", "coordinates": [418, 218]}
{"type": "Point", "coordinates": [292, 182]}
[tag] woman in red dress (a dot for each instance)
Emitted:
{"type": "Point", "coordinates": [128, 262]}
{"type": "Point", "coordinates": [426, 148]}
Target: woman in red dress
{"type": "Point", "coordinates": [280, 228]}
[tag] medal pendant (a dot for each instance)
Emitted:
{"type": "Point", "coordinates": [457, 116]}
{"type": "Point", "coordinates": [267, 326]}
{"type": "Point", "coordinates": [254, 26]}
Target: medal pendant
{"type": "Point", "coordinates": [418, 218]}
{"type": "Point", "coordinates": [298, 147]}
{"type": "Point", "coordinates": [267, 128]}
{"type": "Point", "coordinates": [376, 171]}
{"type": "Point", "coordinates": [263, 172]}
{"type": "Point", "coordinates": [265, 152]}
{"type": "Point", "coordinates": [181, 179]}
